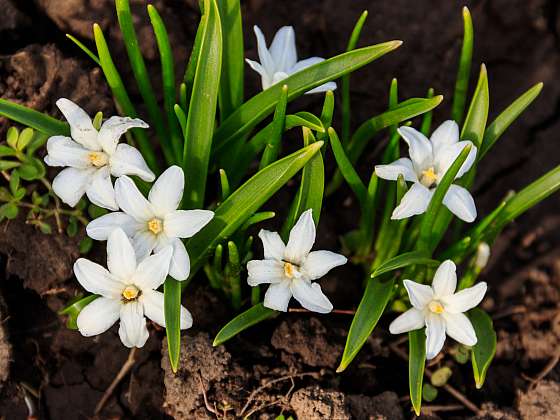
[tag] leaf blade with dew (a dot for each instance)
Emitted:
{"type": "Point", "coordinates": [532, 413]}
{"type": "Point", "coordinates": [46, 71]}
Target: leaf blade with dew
{"type": "Point", "coordinates": [34, 119]}
{"type": "Point", "coordinates": [85, 49]}
{"type": "Point", "coordinates": [484, 350]}
{"type": "Point", "coordinates": [272, 148]}
{"type": "Point", "coordinates": [241, 322]}
{"type": "Point", "coordinates": [416, 364]}
{"type": "Point", "coordinates": [464, 70]}
{"type": "Point", "coordinates": [172, 313]}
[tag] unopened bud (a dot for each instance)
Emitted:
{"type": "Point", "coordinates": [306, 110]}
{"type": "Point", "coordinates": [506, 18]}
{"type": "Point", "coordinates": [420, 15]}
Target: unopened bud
{"type": "Point", "coordinates": [482, 255]}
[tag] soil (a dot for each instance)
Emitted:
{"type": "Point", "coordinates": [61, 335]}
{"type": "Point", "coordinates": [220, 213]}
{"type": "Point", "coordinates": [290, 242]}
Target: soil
{"type": "Point", "coordinates": [287, 365]}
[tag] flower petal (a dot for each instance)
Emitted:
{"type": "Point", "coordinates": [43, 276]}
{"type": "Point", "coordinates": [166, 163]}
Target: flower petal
{"type": "Point", "coordinates": [460, 328]}
{"type": "Point", "coordinates": [419, 294]}
{"type": "Point", "coordinates": [392, 171]}
{"type": "Point", "coordinates": [447, 155]}
{"type": "Point", "coordinates": [303, 64]}
{"type": "Point", "coordinates": [112, 130]}
{"type": "Point", "coordinates": [98, 316]}
{"type": "Point", "coordinates": [81, 127]}
{"type": "Point", "coordinates": [265, 57]}
{"type": "Point", "coordinates": [97, 279]}
{"type": "Point", "coordinates": [133, 331]}
{"type": "Point", "coordinates": [310, 296]}
{"type": "Point", "coordinates": [461, 203]}
{"type": "Point", "coordinates": [70, 184]}
{"type": "Point", "coordinates": [180, 266]}
{"type": "Point", "coordinates": [154, 309]}
{"type": "Point", "coordinates": [435, 335]}
{"type": "Point", "coordinates": [167, 192]}
{"type": "Point", "coordinates": [100, 191]}
{"type": "Point", "coordinates": [302, 238]}
{"type": "Point", "coordinates": [319, 263]}
{"type": "Point", "coordinates": [100, 228]}
{"type": "Point", "coordinates": [445, 135]}
{"type": "Point", "coordinates": [278, 296]}
{"type": "Point", "coordinates": [127, 160]}
{"type": "Point", "coordinates": [265, 271]}
{"type": "Point", "coordinates": [465, 299]}
{"type": "Point", "coordinates": [121, 259]}
{"type": "Point", "coordinates": [131, 200]}
{"type": "Point", "coordinates": [63, 151]}
{"type": "Point", "coordinates": [185, 223]}
{"type": "Point", "coordinates": [445, 279]}
{"type": "Point", "coordinates": [408, 321]}
{"type": "Point", "coordinates": [415, 201]}
{"type": "Point", "coordinates": [325, 87]}
{"type": "Point", "coordinates": [257, 67]}
{"type": "Point", "coordinates": [419, 148]}
{"type": "Point", "coordinates": [152, 271]}
{"type": "Point", "coordinates": [144, 243]}
{"type": "Point", "coordinates": [273, 245]}
{"type": "Point", "coordinates": [283, 49]}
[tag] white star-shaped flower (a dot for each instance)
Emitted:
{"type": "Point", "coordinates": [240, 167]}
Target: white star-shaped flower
{"type": "Point", "coordinates": [440, 310]}
{"type": "Point", "coordinates": [428, 163]}
{"type": "Point", "coordinates": [280, 60]}
{"type": "Point", "coordinates": [93, 156]}
{"type": "Point", "coordinates": [127, 292]}
{"type": "Point", "coordinates": [155, 222]}
{"type": "Point", "coordinates": [290, 269]}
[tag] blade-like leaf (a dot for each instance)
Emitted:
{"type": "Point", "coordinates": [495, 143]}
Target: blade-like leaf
{"type": "Point", "coordinates": [475, 121]}
{"type": "Point", "coordinates": [464, 71]}
{"type": "Point", "coordinates": [84, 48]}
{"type": "Point", "coordinates": [416, 364]}
{"type": "Point", "coordinates": [243, 321]}
{"type": "Point", "coordinates": [34, 119]}
{"type": "Point", "coordinates": [485, 349]}
{"type": "Point", "coordinates": [404, 260]}
{"type": "Point", "coordinates": [74, 308]}
{"type": "Point", "coordinates": [172, 312]}
{"type": "Point", "coordinates": [272, 148]}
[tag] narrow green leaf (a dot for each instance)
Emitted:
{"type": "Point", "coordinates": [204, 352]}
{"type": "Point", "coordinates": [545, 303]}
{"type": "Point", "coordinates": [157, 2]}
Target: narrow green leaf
{"type": "Point", "coordinates": [224, 184]}
{"type": "Point", "coordinates": [73, 309]}
{"type": "Point", "coordinates": [85, 49]}
{"type": "Point", "coordinates": [172, 311]}
{"type": "Point", "coordinates": [404, 260]}
{"type": "Point", "coordinates": [234, 270]}
{"type": "Point", "coordinates": [327, 112]}
{"type": "Point", "coordinates": [7, 164]}
{"type": "Point", "coordinates": [257, 218]}
{"type": "Point", "coordinates": [270, 153]}
{"type": "Point", "coordinates": [193, 61]}
{"type": "Point", "coordinates": [485, 349]}
{"type": "Point", "coordinates": [241, 322]}
{"type": "Point", "coordinates": [475, 121]}
{"type": "Point", "coordinates": [305, 119]}
{"type": "Point", "coordinates": [34, 119]}
{"type": "Point", "coordinates": [464, 71]}
{"type": "Point", "coordinates": [426, 126]}
{"type": "Point", "coordinates": [416, 364]}
{"type": "Point", "coordinates": [181, 117]}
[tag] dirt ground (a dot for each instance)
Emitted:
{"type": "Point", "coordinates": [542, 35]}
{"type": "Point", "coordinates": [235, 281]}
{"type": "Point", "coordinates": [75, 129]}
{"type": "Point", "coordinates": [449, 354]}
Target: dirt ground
{"type": "Point", "coordinates": [287, 365]}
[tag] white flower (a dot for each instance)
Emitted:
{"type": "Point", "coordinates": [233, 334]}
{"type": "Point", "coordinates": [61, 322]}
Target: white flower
{"type": "Point", "coordinates": [280, 60]}
{"type": "Point", "coordinates": [428, 163]}
{"type": "Point", "coordinates": [127, 292]}
{"type": "Point", "coordinates": [154, 223]}
{"type": "Point", "coordinates": [93, 156]}
{"type": "Point", "coordinates": [290, 269]}
{"type": "Point", "coordinates": [440, 310]}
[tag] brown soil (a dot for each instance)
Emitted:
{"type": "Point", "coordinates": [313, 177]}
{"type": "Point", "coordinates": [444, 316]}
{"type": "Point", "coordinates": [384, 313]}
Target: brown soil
{"type": "Point", "coordinates": [287, 365]}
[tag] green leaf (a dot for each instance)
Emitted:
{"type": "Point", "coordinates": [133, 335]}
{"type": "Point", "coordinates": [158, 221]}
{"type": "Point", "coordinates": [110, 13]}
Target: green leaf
{"type": "Point", "coordinates": [7, 164]}
{"type": "Point", "coordinates": [28, 171]}
{"type": "Point", "coordinates": [506, 118]}
{"type": "Point", "coordinates": [247, 116]}
{"type": "Point", "coordinates": [464, 71]}
{"type": "Point", "coordinates": [98, 120]}
{"type": "Point", "coordinates": [272, 149]}
{"type": "Point", "coordinates": [234, 270]}
{"type": "Point", "coordinates": [85, 245]}
{"type": "Point", "coordinates": [202, 109]}
{"type": "Point", "coordinates": [172, 311]}
{"type": "Point", "coordinates": [224, 184]}
{"type": "Point", "coordinates": [7, 151]}
{"type": "Point", "coordinates": [441, 376]}
{"type": "Point", "coordinates": [9, 211]}
{"type": "Point", "coordinates": [73, 309]}
{"type": "Point", "coordinates": [190, 71]}
{"type": "Point", "coordinates": [12, 137]}
{"type": "Point", "coordinates": [257, 218]}
{"type": "Point", "coordinates": [404, 260]}
{"type": "Point", "coordinates": [241, 322]}
{"type": "Point", "coordinates": [485, 349]}
{"type": "Point", "coordinates": [416, 364]}
{"type": "Point", "coordinates": [426, 125]}
{"type": "Point", "coordinates": [475, 121]}
{"type": "Point", "coordinates": [84, 48]}
{"type": "Point", "coordinates": [14, 182]}
{"type": "Point", "coordinates": [34, 119]}
{"type": "Point", "coordinates": [429, 392]}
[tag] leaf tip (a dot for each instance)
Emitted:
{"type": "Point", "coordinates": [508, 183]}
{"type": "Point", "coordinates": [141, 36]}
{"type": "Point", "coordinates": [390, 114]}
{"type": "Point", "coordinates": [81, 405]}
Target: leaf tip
{"type": "Point", "coordinates": [438, 99]}
{"type": "Point", "coordinates": [340, 369]}
{"type": "Point", "coordinates": [466, 13]}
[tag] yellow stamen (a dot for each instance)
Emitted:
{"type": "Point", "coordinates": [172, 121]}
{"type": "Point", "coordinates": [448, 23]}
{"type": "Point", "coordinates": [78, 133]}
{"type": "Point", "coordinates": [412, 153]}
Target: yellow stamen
{"type": "Point", "coordinates": [436, 307]}
{"type": "Point", "coordinates": [98, 159]}
{"type": "Point", "coordinates": [428, 177]}
{"type": "Point", "coordinates": [289, 270]}
{"type": "Point", "coordinates": [130, 292]}
{"type": "Point", "coordinates": [155, 225]}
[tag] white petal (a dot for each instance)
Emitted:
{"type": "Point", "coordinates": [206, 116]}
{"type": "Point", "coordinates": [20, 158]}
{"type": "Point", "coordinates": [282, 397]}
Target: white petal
{"type": "Point", "coordinates": [70, 184]}
{"type": "Point", "coordinates": [127, 160]}
{"type": "Point", "coordinates": [445, 279]}
{"type": "Point", "coordinates": [278, 296]}
{"type": "Point", "coordinates": [81, 127]}
{"type": "Point", "coordinates": [152, 271]}
{"type": "Point", "coordinates": [325, 87]}
{"type": "Point", "coordinates": [144, 243]}
{"type": "Point", "coordinates": [97, 279]}
{"type": "Point", "coordinates": [273, 245]}
{"type": "Point", "coordinates": [185, 223]}
{"type": "Point", "coordinates": [447, 155]}
{"type": "Point", "coordinates": [100, 191]}
{"type": "Point", "coordinates": [302, 238]}
{"type": "Point", "coordinates": [419, 147]}
{"type": "Point", "coordinates": [460, 329]}
{"type": "Point", "coordinates": [445, 135]}
{"type": "Point", "coordinates": [415, 201]}
{"type": "Point", "coordinates": [257, 67]}
{"type": "Point", "coordinates": [100, 228]}
{"type": "Point", "coordinates": [435, 335]}
{"type": "Point", "coordinates": [278, 77]}
{"type": "Point", "coordinates": [303, 64]}
{"type": "Point", "coordinates": [98, 316]}
{"type": "Point", "coordinates": [392, 171]}
{"type": "Point", "coordinates": [63, 151]}
{"type": "Point", "coordinates": [180, 266]}
{"type": "Point", "coordinates": [408, 321]}
{"type": "Point", "coordinates": [461, 203]}
{"type": "Point", "coordinates": [167, 191]}
{"type": "Point", "coordinates": [154, 309]}
{"type": "Point", "coordinates": [264, 55]}
{"type": "Point", "coordinates": [283, 49]}
{"type": "Point", "coordinates": [265, 271]}
{"type": "Point", "coordinates": [133, 331]}
{"type": "Point", "coordinates": [319, 263]}
{"type": "Point", "coordinates": [465, 299]}
{"type": "Point", "coordinates": [112, 130]}
{"type": "Point", "coordinates": [310, 296]}
{"type": "Point", "coordinates": [131, 200]}
{"type": "Point", "coordinates": [121, 260]}
{"type": "Point", "coordinates": [420, 294]}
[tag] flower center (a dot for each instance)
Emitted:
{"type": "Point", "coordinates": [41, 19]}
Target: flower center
{"type": "Point", "coordinates": [98, 159]}
{"type": "Point", "coordinates": [155, 225]}
{"type": "Point", "coordinates": [428, 178]}
{"type": "Point", "coordinates": [436, 307]}
{"type": "Point", "coordinates": [290, 270]}
{"type": "Point", "coordinates": [130, 292]}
